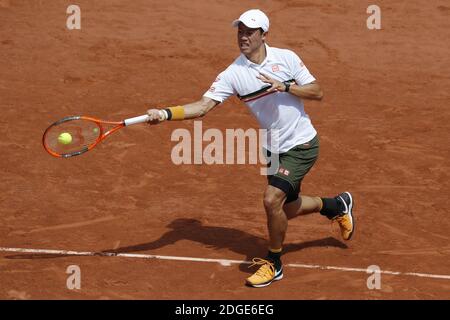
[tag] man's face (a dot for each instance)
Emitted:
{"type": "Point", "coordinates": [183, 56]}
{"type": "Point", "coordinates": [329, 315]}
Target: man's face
{"type": "Point", "coordinates": [249, 39]}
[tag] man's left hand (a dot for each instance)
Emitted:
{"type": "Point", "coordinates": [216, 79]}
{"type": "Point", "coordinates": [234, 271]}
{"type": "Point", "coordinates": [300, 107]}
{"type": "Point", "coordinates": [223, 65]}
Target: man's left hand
{"type": "Point", "coordinates": [275, 85]}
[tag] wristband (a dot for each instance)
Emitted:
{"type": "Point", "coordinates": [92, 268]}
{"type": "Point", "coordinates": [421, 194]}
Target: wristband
{"type": "Point", "coordinates": [175, 113]}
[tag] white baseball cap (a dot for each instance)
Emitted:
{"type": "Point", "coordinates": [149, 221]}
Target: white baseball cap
{"type": "Point", "coordinates": [253, 18]}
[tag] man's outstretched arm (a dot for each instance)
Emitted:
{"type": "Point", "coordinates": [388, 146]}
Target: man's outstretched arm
{"type": "Point", "coordinates": [189, 111]}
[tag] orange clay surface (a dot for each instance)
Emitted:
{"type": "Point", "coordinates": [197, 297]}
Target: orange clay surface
{"type": "Point", "coordinates": [384, 134]}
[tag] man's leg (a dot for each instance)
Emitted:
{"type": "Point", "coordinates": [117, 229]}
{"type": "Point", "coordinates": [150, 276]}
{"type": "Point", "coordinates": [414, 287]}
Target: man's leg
{"type": "Point", "coordinates": [283, 186]}
{"type": "Point", "coordinates": [271, 268]}
{"type": "Point", "coordinates": [338, 209]}
{"type": "Point", "coordinates": [302, 206]}
{"type": "Point", "coordinates": [276, 218]}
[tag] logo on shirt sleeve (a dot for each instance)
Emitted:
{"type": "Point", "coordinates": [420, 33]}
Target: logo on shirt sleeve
{"type": "Point", "coordinates": [275, 68]}
{"type": "Point", "coordinates": [212, 89]}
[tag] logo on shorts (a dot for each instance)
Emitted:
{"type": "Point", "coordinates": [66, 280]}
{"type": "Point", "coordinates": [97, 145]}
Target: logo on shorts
{"type": "Point", "coordinates": [283, 171]}
{"type": "Point", "coordinates": [275, 68]}
{"type": "Point", "coordinates": [217, 79]}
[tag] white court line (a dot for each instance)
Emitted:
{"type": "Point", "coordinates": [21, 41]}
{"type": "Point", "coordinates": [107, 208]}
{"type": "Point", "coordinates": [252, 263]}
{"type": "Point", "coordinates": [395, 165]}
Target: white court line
{"type": "Point", "coordinates": [224, 262]}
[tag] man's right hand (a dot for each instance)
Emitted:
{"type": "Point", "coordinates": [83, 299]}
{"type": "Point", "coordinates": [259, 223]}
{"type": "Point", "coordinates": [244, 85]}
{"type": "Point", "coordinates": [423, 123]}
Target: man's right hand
{"type": "Point", "coordinates": [155, 116]}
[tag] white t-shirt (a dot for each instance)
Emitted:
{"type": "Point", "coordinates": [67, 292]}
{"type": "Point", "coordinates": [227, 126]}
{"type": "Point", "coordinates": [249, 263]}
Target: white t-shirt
{"type": "Point", "coordinates": [280, 113]}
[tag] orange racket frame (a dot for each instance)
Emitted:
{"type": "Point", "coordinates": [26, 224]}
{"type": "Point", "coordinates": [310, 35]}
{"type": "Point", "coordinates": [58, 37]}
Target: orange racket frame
{"type": "Point", "coordinates": [102, 133]}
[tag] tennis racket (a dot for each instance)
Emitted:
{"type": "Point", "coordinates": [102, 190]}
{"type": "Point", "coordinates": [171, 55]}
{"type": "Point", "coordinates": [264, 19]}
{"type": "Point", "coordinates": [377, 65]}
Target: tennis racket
{"type": "Point", "coordinates": [81, 134]}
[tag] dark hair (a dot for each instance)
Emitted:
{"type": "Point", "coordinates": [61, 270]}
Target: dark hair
{"type": "Point", "coordinates": [261, 29]}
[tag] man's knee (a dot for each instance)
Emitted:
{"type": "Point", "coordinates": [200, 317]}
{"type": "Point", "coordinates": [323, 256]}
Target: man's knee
{"type": "Point", "coordinates": [273, 199]}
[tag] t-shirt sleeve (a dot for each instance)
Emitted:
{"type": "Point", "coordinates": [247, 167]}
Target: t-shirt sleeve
{"type": "Point", "coordinates": [221, 89]}
{"type": "Point", "coordinates": [300, 72]}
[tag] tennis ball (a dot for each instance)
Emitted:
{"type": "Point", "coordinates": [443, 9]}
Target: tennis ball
{"type": "Point", "coordinates": [95, 130]}
{"type": "Point", "coordinates": [65, 138]}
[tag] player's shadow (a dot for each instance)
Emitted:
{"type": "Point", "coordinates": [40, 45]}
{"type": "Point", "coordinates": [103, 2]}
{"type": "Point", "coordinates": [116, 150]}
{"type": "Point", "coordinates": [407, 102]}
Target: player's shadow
{"type": "Point", "coordinates": [213, 237]}
{"type": "Point", "coordinates": [218, 238]}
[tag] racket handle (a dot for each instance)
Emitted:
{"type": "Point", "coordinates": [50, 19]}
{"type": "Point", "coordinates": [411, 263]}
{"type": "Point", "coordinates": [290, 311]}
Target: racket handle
{"type": "Point", "coordinates": [136, 120]}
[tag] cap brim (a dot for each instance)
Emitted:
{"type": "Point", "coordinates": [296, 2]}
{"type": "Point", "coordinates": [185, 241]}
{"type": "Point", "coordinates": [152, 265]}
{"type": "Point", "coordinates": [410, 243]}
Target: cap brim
{"type": "Point", "coordinates": [247, 24]}
{"type": "Point", "coordinates": [236, 23]}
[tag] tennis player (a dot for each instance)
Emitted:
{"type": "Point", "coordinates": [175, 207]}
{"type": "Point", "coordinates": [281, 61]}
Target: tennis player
{"type": "Point", "coordinates": [273, 83]}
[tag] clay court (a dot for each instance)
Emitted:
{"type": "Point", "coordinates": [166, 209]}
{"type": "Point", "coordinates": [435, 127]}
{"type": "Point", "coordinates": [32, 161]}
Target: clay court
{"type": "Point", "coordinates": [383, 124]}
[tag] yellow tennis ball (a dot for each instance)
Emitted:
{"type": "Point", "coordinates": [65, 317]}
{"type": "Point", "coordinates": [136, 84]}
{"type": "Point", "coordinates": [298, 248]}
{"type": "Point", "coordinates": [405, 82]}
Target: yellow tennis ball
{"type": "Point", "coordinates": [65, 138]}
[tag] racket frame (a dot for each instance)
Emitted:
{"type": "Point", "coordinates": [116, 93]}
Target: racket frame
{"type": "Point", "coordinates": [102, 134]}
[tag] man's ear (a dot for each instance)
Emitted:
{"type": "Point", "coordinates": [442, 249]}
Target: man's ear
{"type": "Point", "coordinates": [264, 35]}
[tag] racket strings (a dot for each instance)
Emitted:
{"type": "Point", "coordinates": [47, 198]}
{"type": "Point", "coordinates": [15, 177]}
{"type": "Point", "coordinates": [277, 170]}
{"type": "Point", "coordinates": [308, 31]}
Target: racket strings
{"type": "Point", "coordinates": [83, 133]}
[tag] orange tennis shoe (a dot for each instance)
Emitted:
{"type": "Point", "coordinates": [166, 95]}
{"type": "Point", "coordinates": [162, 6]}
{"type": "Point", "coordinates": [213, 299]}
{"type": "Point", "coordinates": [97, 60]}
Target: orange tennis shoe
{"type": "Point", "coordinates": [346, 220]}
{"type": "Point", "coordinates": [265, 275]}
